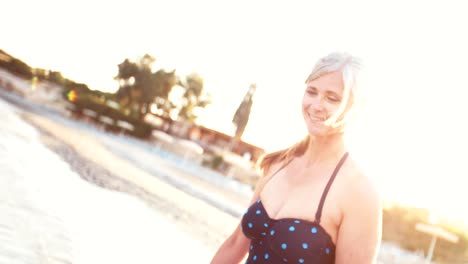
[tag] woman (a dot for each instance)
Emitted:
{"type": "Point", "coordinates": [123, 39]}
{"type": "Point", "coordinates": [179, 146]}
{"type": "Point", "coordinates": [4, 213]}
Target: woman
{"type": "Point", "coordinates": [313, 204]}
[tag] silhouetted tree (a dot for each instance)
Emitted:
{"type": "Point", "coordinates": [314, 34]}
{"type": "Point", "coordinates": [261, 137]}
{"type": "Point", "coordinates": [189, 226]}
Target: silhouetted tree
{"type": "Point", "coordinates": [192, 98]}
{"type": "Point", "coordinates": [41, 74]}
{"type": "Point", "coordinates": [241, 117]}
{"type": "Point", "coordinates": [15, 65]}
{"type": "Point", "coordinates": [56, 77]}
{"type": "Point", "coordinates": [140, 87]}
{"type": "Point", "coordinates": [163, 83]}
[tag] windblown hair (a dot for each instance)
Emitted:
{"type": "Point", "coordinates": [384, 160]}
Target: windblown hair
{"type": "Point", "coordinates": [349, 66]}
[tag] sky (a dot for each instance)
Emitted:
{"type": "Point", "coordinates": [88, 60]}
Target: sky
{"type": "Point", "coordinates": [410, 135]}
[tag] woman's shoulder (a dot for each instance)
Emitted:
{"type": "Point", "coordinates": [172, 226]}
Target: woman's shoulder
{"type": "Point", "coordinates": [274, 167]}
{"type": "Point", "coordinates": [271, 170]}
{"type": "Point", "coordinates": [359, 184]}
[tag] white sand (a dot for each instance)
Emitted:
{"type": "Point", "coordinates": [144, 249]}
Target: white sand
{"type": "Point", "coordinates": [50, 214]}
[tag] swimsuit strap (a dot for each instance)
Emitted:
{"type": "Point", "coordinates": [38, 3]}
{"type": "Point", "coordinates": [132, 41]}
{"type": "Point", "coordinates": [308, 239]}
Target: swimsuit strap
{"type": "Point", "coordinates": [327, 188]}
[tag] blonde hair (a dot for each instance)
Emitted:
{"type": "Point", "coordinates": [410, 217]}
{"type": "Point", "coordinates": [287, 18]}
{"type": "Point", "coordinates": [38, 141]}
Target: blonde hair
{"type": "Point", "coordinates": [349, 66]}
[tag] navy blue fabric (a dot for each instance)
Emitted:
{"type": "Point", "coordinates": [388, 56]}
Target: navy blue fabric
{"type": "Point", "coordinates": [288, 240]}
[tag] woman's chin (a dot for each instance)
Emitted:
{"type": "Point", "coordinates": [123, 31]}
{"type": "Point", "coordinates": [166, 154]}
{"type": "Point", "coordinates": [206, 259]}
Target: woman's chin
{"type": "Point", "coordinates": [318, 132]}
{"type": "Point", "coordinates": [322, 132]}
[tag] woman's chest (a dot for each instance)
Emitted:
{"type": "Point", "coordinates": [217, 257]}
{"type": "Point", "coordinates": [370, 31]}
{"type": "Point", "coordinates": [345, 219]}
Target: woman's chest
{"type": "Point", "coordinates": [302, 201]}
{"type": "Point", "coordinates": [287, 238]}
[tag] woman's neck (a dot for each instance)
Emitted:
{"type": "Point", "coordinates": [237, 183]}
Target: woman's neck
{"type": "Point", "coordinates": [324, 149]}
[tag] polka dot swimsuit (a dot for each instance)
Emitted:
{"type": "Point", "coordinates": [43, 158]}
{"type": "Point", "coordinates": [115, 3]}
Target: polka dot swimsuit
{"type": "Point", "coordinates": [288, 240]}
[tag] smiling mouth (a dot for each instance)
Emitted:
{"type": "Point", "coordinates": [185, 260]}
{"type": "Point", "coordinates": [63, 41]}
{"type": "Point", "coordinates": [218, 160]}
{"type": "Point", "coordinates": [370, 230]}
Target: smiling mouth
{"type": "Point", "coordinates": [316, 118]}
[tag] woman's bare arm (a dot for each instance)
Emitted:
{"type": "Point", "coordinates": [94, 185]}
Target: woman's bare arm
{"type": "Point", "coordinates": [359, 234]}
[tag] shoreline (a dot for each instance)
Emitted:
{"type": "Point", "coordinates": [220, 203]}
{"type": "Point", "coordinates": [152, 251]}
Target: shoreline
{"type": "Point", "coordinates": [188, 213]}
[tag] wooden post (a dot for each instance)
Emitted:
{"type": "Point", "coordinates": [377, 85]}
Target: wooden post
{"type": "Point", "coordinates": [430, 252]}
{"type": "Point", "coordinates": [436, 232]}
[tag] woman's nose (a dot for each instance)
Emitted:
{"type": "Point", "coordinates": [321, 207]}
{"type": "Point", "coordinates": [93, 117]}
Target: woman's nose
{"type": "Point", "coordinates": [318, 104]}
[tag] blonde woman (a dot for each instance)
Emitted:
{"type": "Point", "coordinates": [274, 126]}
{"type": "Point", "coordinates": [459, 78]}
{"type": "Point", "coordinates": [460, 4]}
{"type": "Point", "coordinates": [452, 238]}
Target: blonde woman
{"type": "Point", "coordinates": [313, 204]}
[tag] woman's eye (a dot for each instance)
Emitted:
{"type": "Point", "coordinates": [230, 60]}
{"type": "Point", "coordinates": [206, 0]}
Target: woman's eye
{"type": "Point", "coordinates": [333, 99]}
{"type": "Point", "coordinates": [312, 92]}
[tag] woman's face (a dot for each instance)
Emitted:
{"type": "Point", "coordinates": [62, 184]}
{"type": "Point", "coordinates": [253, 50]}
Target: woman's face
{"type": "Point", "coordinates": [322, 99]}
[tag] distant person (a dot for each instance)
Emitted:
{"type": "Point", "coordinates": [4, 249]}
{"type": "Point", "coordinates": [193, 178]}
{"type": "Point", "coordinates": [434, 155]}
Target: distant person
{"type": "Point", "coordinates": [313, 204]}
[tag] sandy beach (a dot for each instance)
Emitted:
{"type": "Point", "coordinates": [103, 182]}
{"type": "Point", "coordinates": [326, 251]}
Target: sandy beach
{"type": "Point", "coordinates": [96, 164]}
{"type": "Point", "coordinates": [193, 220]}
